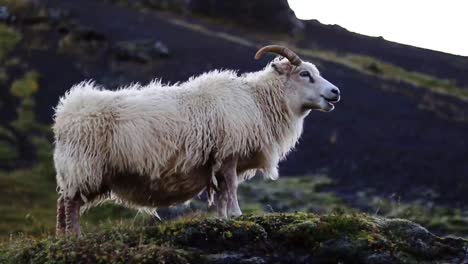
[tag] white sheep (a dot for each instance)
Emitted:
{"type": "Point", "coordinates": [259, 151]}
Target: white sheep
{"type": "Point", "coordinates": [159, 145]}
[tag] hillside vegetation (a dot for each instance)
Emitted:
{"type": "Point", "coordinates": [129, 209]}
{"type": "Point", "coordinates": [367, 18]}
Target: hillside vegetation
{"type": "Point", "coordinates": [272, 238]}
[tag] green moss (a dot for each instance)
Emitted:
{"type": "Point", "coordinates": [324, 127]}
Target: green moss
{"type": "Point", "coordinates": [26, 124]}
{"type": "Point", "coordinates": [212, 233]}
{"type": "Point", "coordinates": [17, 6]}
{"type": "Point", "coordinates": [308, 231]}
{"type": "Point", "coordinates": [273, 222]}
{"type": "Point", "coordinates": [26, 86]}
{"type": "Point", "coordinates": [7, 134]}
{"type": "Point", "coordinates": [96, 250]}
{"type": "Point", "coordinates": [356, 238]}
{"type": "Point", "coordinates": [436, 218]}
{"type": "Point", "coordinates": [8, 152]}
{"type": "Point", "coordinates": [25, 121]}
{"type": "Point", "coordinates": [107, 214]}
{"type": "Point", "coordinates": [28, 202]}
{"type": "Point", "coordinates": [311, 233]}
{"type": "Point", "coordinates": [290, 194]}
{"type": "Point", "coordinates": [177, 6]}
{"type": "Point", "coordinates": [9, 38]}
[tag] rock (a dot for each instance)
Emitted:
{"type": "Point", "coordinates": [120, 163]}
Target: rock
{"type": "Point", "coordinates": [227, 258]}
{"type": "Point", "coordinates": [4, 13]}
{"type": "Point", "coordinates": [83, 41]}
{"type": "Point", "coordinates": [177, 6]}
{"type": "Point", "coordinates": [270, 238]}
{"type": "Point", "coordinates": [161, 49]}
{"type": "Point", "coordinates": [57, 15]}
{"type": "Point", "coordinates": [142, 51]}
{"type": "Point", "coordinates": [26, 12]}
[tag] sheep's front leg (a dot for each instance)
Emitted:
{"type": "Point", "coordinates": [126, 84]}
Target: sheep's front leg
{"type": "Point", "coordinates": [233, 208]}
{"type": "Point", "coordinates": [226, 203]}
{"type": "Point", "coordinates": [220, 200]}
{"type": "Point", "coordinates": [72, 215]}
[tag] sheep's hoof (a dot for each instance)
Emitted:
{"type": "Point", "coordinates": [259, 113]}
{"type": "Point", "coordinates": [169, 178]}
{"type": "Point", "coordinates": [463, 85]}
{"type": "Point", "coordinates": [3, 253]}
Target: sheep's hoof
{"type": "Point", "coordinates": [59, 233]}
{"type": "Point", "coordinates": [235, 214]}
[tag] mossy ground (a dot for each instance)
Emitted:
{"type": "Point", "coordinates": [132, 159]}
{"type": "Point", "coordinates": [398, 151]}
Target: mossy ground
{"type": "Point", "coordinates": [9, 38]}
{"type": "Point", "coordinates": [297, 237]}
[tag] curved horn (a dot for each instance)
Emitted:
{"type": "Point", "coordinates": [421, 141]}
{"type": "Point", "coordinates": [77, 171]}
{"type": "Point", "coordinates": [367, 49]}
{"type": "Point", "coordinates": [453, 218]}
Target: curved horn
{"type": "Point", "coordinates": [283, 51]}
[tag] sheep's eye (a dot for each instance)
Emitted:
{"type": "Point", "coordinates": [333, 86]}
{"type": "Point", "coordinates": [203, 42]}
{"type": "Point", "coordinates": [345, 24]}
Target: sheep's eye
{"type": "Point", "coordinates": [307, 74]}
{"type": "Point", "coordinates": [304, 74]}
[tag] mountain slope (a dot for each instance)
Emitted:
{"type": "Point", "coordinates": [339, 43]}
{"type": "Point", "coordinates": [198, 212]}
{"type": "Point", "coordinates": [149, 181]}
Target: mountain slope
{"type": "Point", "coordinates": [385, 133]}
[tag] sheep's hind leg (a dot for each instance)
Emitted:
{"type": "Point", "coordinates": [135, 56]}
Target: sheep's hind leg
{"type": "Point", "coordinates": [72, 215]}
{"type": "Point", "coordinates": [61, 225]}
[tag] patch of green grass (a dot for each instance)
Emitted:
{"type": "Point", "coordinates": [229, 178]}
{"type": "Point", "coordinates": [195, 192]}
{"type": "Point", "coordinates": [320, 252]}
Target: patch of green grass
{"type": "Point", "coordinates": [435, 218]}
{"type": "Point", "coordinates": [315, 194]}
{"type": "Point", "coordinates": [28, 200]}
{"type": "Point", "coordinates": [25, 121]}
{"type": "Point", "coordinates": [9, 38]}
{"type": "Point", "coordinates": [7, 134]}
{"type": "Point", "coordinates": [290, 194]}
{"type": "Point", "coordinates": [176, 6]}
{"type": "Point", "coordinates": [327, 227]}
{"type": "Point", "coordinates": [17, 6]}
{"type": "Point", "coordinates": [8, 152]}
{"type": "Point", "coordinates": [26, 86]}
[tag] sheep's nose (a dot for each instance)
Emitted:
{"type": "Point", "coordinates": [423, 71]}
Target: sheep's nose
{"type": "Point", "coordinates": [335, 91]}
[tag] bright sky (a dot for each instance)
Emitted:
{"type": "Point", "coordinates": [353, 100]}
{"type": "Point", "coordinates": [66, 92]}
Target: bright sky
{"type": "Point", "coordinates": [433, 24]}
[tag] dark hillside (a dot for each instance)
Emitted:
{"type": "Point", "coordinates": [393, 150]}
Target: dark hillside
{"type": "Point", "coordinates": [381, 134]}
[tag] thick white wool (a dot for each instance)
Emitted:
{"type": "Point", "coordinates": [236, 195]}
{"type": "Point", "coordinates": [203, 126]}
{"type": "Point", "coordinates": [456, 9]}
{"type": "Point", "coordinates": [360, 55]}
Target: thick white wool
{"type": "Point", "coordinates": [158, 129]}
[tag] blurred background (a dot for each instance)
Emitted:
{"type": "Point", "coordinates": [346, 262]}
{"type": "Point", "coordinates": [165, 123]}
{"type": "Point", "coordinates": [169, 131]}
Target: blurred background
{"type": "Point", "coordinates": [395, 145]}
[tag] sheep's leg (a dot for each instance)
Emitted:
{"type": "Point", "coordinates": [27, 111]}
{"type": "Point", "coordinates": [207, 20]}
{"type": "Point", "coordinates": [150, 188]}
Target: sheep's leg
{"type": "Point", "coordinates": [233, 208]}
{"type": "Point", "coordinates": [226, 203]}
{"type": "Point", "coordinates": [72, 215]}
{"type": "Point", "coordinates": [230, 176]}
{"type": "Point", "coordinates": [61, 225]}
{"type": "Point", "coordinates": [220, 200]}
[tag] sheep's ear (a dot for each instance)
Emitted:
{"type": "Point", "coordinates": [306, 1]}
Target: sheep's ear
{"type": "Point", "coordinates": [282, 67]}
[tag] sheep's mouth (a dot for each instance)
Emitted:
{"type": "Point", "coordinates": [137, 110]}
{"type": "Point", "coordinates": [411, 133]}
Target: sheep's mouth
{"type": "Point", "coordinates": [331, 101]}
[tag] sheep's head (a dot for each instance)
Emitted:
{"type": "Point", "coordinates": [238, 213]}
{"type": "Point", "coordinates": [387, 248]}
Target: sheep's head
{"type": "Point", "coordinates": [304, 87]}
